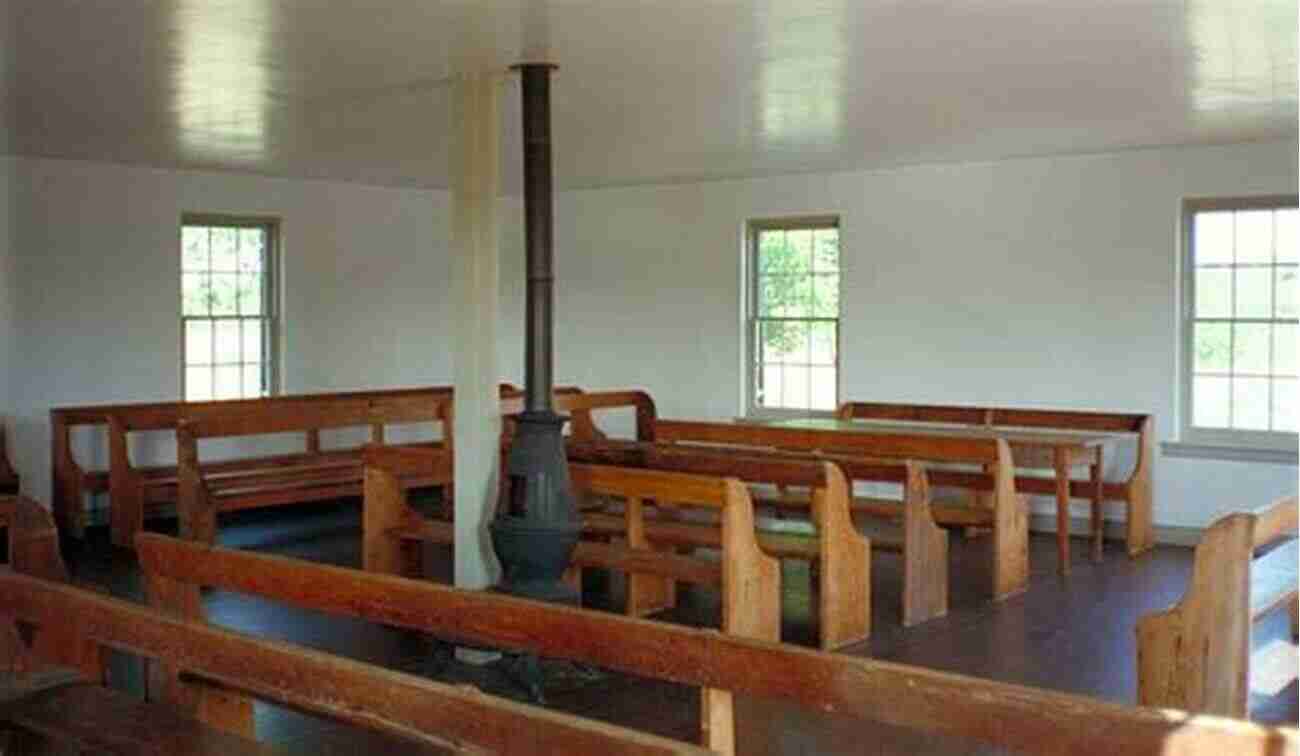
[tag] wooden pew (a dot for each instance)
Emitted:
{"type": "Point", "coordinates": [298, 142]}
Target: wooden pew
{"type": "Point", "coordinates": [1006, 512]}
{"type": "Point", "coordinates": [1196, 654]}
{"type": "Point", "coordinates": [71, 480]}
{"type": "Point", "coordinates": [1135, 491]}
{"type": "Point", "coordinates": [750, 579]}
{"type": "Point", "coordinates": [204, 678]}
{"type": "Point", "coordinates": [839, 553]}
{"type": "Point", "coordinates": [1029, 720]}
{"type": "Point", "coordinates": [204, 490]}
{"type": "Point", "coordinates": [9, 481]}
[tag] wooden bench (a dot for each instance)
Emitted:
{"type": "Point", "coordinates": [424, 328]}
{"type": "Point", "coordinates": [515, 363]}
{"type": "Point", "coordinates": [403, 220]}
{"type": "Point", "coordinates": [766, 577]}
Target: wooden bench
{"type": "Point", "coordinates": [202, 681]}
{"type": "Point", "coordinates": [71, 480]}
{"type": "Point", "coordinates": [203, 490]}
{"type": "Point", "coordinates": [1196, 654]}
{"type": "Point", "coordinates": [837, 549]}
{"type": "Point", "coordinates": [1004, 511]}
{"type": "Point", "coordinates": [1135, 491]}
{"type": "Point", "coordinates": [750, 579]}
{"type": "Point", "coordinates": [1014, 717]}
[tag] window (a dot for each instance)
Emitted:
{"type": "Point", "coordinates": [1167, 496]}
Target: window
{"type": "Point", "coordinates": [228, 306]}
{"type": "Point", "coordinates": [793, 321]}
{"type": "Point", "coordinates": [1240, 321]}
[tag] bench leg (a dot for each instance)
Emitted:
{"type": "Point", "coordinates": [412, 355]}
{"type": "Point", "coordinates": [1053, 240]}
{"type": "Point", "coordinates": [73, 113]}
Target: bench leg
{"type": "Point", "coordinates": [126, 515]}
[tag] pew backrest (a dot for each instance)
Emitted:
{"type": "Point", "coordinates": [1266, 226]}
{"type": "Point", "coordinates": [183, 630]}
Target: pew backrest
{"type": "Point", "coordinates": [1029, 719]}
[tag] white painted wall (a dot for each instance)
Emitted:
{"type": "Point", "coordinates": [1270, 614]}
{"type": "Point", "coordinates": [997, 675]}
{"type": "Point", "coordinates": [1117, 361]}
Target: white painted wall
{"type": "Point", "coordinates": [8, 293]}
{"type": "Point", "coordinates": [1046, 282]}
{"type": "Point", "coordinates": [1031, 282]}
{"type": "Point", "coordinates": [364, 273]}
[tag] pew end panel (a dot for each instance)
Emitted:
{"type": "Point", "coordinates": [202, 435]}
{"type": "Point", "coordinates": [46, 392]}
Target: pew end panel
{"type": "Point", "coordinates": [1196, 654]}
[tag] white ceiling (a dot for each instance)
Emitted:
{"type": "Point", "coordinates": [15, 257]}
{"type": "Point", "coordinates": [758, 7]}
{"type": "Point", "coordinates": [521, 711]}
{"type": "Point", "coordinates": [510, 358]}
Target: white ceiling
{"type": "Point", "coordinates": [649, 90]}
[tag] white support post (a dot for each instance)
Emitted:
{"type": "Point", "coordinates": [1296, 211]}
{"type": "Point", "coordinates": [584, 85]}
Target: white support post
{"type": "Point", "coordinates": [474, 275]}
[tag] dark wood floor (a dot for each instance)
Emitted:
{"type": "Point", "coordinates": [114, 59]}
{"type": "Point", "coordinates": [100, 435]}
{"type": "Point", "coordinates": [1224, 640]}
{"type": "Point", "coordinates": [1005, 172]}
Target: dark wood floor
{"type": "Point", "coordinates": [1072, 634]}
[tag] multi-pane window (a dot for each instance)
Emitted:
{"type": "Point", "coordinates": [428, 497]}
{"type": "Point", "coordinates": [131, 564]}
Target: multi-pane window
{"type": "Point", "coordinates": [1241, 307]}
{"type": "Point", "coordinates": [794, 314]}
{"type": "Point", "coordinates": [228, 308]}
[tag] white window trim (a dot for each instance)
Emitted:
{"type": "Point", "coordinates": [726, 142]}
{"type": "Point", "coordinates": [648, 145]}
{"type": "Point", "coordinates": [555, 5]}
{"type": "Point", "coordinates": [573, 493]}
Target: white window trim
{"type": "Point", "coordinates": [272, 302]}
{"type": "Point", "coordinates": [1217, 443]}
{"type": "Point", "coordinates": [750, 314]}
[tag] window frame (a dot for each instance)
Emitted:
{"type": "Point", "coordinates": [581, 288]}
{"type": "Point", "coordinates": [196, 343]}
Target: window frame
{"type": "Point", "coordinates": [752, 352]}
{"type": "Point", "coordinates": [271, 294]}
{"type": "Point", "coordinates": [1227, 443]}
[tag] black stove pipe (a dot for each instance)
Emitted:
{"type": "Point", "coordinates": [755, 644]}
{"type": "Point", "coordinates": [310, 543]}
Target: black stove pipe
{"type": "Point", "coordinates": [535, 80]}
{"type": "Point", "coordinates": [537, 527]}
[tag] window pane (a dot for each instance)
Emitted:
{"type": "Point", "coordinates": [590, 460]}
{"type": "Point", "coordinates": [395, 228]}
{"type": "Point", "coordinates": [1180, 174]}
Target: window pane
{"type": "Point", "coordinates": [802, 242]}
{"type": "Point", "coordinates": [826, 250]}
{"type": "Point", "coordinates": [1210, 401]}
{"type": "Point", "coordinates": [823, 343]}
{"type": "Point", "coordinates": [253, 380]}
{"type": "Point", "coordinates": [774, 255]}
{"type": "Point", "coordinates": [794, 389]}
{"type": "Point", "coordinates": [1213, 348]}
{"type": "Point", "coordinates": [1250, 348]}
{"type": "Point", "coordinates": [784, 341]}
{"type": "Point", "coordinates": [252, 245]}
{"type": "Point", "coordinates": [826, 296]}
{"type": "Point", "coordinates": [196, 294]}
{"type": "Point", "coordinates": [226, 382]}
{"type": "Point", "coordinates": [1250, 403]}
{"type": "Point", "coordinates": [1288, 235]}
{"type": "Point", "coordinates": [785, 296]}
{"type": "Point", "coordinates": [198, 384]}
{"type": "Point", "coordinates": [198, 342]}
{"type": "Point", "coordinates": [250, 294]}
{"type": "Point", "coordinates": [223, 293]}
{"type": "Point", "coordinates": [1212, 240]}
{"type": "Point", "coordinates": [253, 351]}
{"type": "Point", "coordinates": [1286, 405]}
{"type": "Point", "coordinates": [1254, 293]}
{"type": "Point", "coordinates": [1214, 293]}
{"type": "Point", "coordinates": [224, 250]}
{"type": "Point", "coordinates": [1255, 236]}
{"type": "Point", "coordinates": [1287, 285]}
{"type": "Point", "coordinates": [194, 248]}
{"type": "Point", "coordinates": [823, 388]}
{"type": "Point", "coordinates": [227, 341]}
{"type": "Point", "coordinates": [1284, 349]}
{"type": "Point", "coordinates": [770, 393]}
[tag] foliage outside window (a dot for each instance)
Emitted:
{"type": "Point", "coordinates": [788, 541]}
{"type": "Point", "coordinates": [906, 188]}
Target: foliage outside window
{"type": "Point", "coordinates": [1241, 309]}
{"type": "Point", "coordinates": [794, 311]}
{"type": "Point", "coordinates": [227, 308]}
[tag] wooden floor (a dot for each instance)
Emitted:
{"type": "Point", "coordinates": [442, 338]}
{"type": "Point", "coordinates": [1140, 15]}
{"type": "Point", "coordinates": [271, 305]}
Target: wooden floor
{"type": "Point", "coordinates": [1072, 634]}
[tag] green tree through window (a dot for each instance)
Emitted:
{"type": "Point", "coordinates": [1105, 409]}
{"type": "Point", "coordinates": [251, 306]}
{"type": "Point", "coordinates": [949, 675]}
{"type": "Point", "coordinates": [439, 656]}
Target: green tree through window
{"type": "Point", "coordinates": [227, 308]}
{"type": "Point", "coordinates": [794, 315]}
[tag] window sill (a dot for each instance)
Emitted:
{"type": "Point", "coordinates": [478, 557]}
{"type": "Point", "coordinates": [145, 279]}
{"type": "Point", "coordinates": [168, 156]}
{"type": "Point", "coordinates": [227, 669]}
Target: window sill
{"type": "Point", "coordinates": [1229, 453]}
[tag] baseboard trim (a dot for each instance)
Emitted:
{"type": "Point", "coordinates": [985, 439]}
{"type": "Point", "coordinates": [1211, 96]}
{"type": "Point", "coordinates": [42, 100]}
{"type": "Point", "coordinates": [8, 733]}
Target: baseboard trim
{"type": "Point", "coordinates": [1170, 535]}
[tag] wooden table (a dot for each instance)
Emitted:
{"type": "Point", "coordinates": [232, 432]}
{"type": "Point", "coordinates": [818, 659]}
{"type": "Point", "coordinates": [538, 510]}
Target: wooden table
{"type": "Point", "coordinates": [1031, 448]}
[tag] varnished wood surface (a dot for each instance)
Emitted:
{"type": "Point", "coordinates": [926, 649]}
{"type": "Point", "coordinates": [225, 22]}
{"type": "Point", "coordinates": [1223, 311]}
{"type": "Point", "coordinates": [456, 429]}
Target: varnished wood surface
{"type": "Point", "coordinates": [1033, 720]}
{"type": "Point", "coordinates": [416, 709]}
{"type": "Point", "coordinates": [1020, 439]}
{"type": "Point", "coordinates": [1196, 655]}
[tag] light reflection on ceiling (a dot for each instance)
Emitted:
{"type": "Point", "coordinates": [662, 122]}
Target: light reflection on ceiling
{"type": "Point", "coordinates": [648, 90]}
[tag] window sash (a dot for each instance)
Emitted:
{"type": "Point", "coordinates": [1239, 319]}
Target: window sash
{"type": "Point", "coordinates": [1216, 435]}
{"type": "Point", "coordinates": [268, 357]}
{"type": "Point", "coordinates": [753, 321]}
